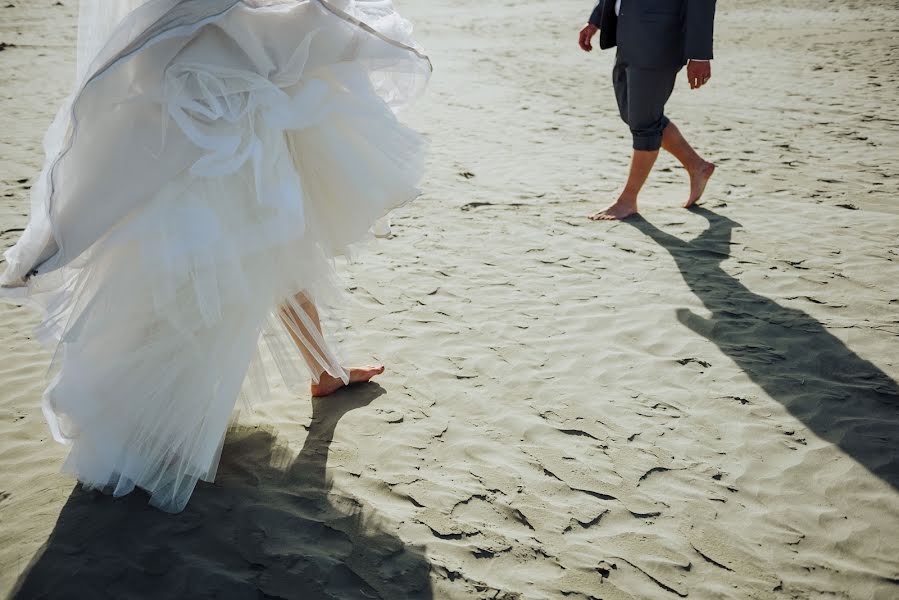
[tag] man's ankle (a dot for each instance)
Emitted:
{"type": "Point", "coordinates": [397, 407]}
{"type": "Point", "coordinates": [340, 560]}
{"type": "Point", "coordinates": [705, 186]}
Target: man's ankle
{"type": "Point", "coordinates": [699, 164]}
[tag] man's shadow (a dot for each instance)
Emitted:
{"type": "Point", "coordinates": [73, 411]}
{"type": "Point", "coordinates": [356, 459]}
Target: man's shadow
{"type": "Point", "coordinates": [269, 527]}
{"type": "Point", "coordinates": [838, 395]}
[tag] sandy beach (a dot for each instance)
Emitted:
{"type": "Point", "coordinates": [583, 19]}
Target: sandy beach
{"type": "Point", "coordinates": [696, 404]}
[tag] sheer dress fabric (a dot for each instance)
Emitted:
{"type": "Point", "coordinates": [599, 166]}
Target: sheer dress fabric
{"type": "Point", "coordinates": [213, 159]}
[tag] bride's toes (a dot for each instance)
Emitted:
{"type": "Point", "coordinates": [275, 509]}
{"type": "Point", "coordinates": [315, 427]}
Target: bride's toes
{"type": "Point", "coordinates": [364, 374]}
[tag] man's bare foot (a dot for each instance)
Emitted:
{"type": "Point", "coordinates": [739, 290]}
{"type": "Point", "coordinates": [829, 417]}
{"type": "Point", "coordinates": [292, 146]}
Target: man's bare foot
{"type": "Point", "coordinates": [617, 212]}
{"type": "Point", "coordinates": [327, 384]}
{"type": "Point", "coordinates": [699, 177]}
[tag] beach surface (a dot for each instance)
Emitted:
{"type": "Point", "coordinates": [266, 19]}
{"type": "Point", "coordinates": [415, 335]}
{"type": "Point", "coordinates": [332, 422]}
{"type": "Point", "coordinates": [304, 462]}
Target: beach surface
{"type": "Point", "coordinates": [696, 404]}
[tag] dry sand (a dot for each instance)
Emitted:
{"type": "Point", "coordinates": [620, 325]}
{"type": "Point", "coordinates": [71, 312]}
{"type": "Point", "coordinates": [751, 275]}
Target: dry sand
{"type": "Point", "coordinates": [698, 404]}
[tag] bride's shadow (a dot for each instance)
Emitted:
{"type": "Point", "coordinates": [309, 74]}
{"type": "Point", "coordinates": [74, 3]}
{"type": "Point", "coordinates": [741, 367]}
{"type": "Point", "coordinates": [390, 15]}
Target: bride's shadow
{"type": "Point", "coordinates": [838, 395]}
{"type": "Point", "coordinates": [270, 527]}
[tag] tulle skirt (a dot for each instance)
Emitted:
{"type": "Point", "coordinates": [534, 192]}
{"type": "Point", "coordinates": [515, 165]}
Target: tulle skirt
{"type": "Point", "coordinates": [214, 159]}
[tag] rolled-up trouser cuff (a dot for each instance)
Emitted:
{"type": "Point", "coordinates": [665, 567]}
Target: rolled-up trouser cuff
{"type": "Point", "coordinates": [650, 140]}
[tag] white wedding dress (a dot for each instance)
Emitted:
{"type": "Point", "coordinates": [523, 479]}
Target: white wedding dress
{"type": "Point", "coordinates": [215, 157]}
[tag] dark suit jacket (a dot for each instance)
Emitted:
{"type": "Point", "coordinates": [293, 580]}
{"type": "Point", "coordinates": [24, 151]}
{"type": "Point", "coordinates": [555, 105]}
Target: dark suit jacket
{"type": "Point", "coordinates": [657, 33]}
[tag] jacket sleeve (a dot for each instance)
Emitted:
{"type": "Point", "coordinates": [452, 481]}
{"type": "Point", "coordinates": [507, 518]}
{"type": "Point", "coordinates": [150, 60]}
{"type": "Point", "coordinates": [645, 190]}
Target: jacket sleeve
{"type": "Point", "coordinates": [700, 29]}
{"type": "Point", "coordinates": [596, 16]}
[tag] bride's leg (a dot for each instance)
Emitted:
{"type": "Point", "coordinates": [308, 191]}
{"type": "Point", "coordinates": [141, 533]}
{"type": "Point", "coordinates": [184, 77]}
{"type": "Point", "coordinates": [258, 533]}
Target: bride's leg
{"type": "Point", "coordinates": [311, 346]}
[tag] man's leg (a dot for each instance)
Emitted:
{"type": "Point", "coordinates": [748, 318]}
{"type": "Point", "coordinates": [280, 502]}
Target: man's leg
{"type": "Point", "coordinates": [626, 205]}
{"type": "Point", "coordinates": [699, 169]}
{"type": "Point", "coordinates": [641, 95]}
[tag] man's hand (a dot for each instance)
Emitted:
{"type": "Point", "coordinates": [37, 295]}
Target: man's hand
{"type": "Point", "coordinates": [698, 73]}
{"type": "Point", "coordinates": [587, 34]}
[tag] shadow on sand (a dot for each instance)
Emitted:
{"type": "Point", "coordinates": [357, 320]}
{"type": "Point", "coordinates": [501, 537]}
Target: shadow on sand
{"type": "Point", "coordinates": [268, 528]}
{"type": "Point", "coordinates": [838, 395]}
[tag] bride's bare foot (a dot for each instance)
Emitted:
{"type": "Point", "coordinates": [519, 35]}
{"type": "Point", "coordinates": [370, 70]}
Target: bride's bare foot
{"type": "Point", "coordinates": [622, 209]}
{"type": "Point", "coordinates": [327, 384]}
{"type": "Point", "coordinates": [699, 177]}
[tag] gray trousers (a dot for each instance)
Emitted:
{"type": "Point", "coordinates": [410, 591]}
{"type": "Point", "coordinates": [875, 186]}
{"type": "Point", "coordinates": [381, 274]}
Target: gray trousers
{"type": "Point", "coordinates": [642, 94]}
